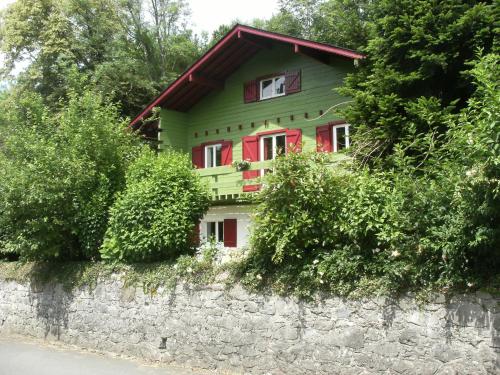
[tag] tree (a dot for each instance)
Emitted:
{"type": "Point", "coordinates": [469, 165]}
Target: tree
{"type": "Point", "coordinates": [59, 175]}
{"type": "Point", "coordinates": [340, 22]}
{"type": "Point", "coordinates": [414, 75]}
{"type": "Point", "coordinates": [130, 49]}
{"type": "Point", "coordinates": [155, 216]}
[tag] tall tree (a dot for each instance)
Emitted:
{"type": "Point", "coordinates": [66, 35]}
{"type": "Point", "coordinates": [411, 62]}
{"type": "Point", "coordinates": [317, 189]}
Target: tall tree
{"type": "Point", "coordinates": [129, 48]}
{"type": "Point", "coordinates": [340, 22]}
{"type": "Point", "coordinates": [414, 73]}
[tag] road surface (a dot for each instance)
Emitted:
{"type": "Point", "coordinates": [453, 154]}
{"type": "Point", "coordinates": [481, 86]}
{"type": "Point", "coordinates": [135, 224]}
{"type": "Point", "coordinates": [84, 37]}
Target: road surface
{"type": "Point", "coordinates": [19, 356]}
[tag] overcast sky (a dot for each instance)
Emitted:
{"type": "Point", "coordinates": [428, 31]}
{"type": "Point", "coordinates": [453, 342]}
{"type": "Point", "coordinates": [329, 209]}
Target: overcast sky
{"type": "Point", "coordinates": [208, 15]}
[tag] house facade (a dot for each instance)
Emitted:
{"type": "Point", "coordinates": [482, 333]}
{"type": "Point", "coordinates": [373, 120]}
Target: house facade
{"type": "Point", "coordinates": [251, 97]}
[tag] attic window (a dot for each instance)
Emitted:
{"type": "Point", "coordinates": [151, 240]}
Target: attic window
{"type": "Point", "coordinates": [272, 87]}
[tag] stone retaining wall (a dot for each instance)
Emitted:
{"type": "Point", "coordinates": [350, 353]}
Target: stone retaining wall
{"type": "Point", "coordinates": [236, 332]}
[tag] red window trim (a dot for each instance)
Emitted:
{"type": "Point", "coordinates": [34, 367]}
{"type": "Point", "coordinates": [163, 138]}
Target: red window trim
{"type": "Point", "coordinates": [284, 131]}
{"type": "Point", "coordinates": [270, 132]}
{"type": "Point", "coordinates": [250, 188]}
{"type": "Point", "coordinates": [231, 232]}
{"type": "Point", "coordinates": [261, 78]}
{"type": "Point", "coordinates": [337, 122]}
{"type": "Point", "coordinates": [267, 76]}
{"type": "Point", "coordinates": [213, 143]}
{"type": "Point", "coordinates": [250, 175]}
{"type": "Point", "coordinates": [210, 143]}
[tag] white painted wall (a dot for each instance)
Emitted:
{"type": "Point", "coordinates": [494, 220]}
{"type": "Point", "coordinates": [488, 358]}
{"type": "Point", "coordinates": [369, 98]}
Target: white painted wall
{"type": "Point", "coordinates": [219, 213]}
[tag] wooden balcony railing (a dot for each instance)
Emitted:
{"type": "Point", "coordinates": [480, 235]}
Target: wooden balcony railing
{"type": "Point", "coordinates": [226, 183]}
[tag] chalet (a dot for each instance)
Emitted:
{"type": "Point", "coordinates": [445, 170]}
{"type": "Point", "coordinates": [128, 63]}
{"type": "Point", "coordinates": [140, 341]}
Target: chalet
{"type": "Point", "coordinates": [253, 95]}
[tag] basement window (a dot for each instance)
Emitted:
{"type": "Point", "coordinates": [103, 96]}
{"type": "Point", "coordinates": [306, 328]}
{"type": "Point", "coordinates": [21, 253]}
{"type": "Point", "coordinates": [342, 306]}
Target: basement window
{"type": "Point", "coordinates": [213, 156]}
{"type": "Point", "coordinates": [272, 87]}
{"type": "Point", "coordinates": [215, 230]}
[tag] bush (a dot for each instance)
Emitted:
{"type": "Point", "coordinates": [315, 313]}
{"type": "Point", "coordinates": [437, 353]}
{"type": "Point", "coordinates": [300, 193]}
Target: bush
{"type": "Point", "coordinates": [323, 227]}
{"type": "Point", "coordinates": [431, 223]}
{"type": "Point", "coordinates": [154, 218]}
{"type": "Point", "coordinates": [59, 175]}
{"type": "Point", "coordinates": [354, 230]}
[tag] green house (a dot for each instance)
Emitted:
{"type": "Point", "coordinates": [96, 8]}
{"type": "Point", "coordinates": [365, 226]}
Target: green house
{"type": "Point", "coordinates": [253, 95]}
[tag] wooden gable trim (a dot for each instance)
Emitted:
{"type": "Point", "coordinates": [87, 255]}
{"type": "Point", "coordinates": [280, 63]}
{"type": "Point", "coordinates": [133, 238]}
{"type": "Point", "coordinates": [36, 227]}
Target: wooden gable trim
{"type": "Point", "coordinates": [241, 33]}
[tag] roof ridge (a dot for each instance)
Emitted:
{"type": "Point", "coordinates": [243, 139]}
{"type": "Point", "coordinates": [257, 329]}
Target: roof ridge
{"type": "Point", "coordinates": [238, 29]}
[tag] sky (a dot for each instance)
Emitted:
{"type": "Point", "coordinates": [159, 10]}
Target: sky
{"type": "Point", "coordinates": [207, 15]}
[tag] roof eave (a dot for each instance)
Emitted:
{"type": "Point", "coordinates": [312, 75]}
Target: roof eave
{"type": "Point", "coordinates": [236, 32]}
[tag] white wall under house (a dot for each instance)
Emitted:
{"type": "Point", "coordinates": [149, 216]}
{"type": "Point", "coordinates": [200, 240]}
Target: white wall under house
{"type": "Point", "coordinates": [217, 214]}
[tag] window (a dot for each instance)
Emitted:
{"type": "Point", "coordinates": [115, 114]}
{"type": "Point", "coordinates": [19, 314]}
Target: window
{"type": "Point", "coordinates": [215, 230]}
{"type": "Point", "coordinates": [340, 137]}
{"type": "Point", "coordinates": [272, 87]}
{"type": "Point", "coordinates": [213, 156]}
{"type": "Point", "coordinates": [272, 146]}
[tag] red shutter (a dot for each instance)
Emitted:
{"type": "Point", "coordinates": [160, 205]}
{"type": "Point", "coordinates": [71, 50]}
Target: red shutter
{"type": "Point", "coordinates": [197, 157]}
{"type": "Point", "coordinates": [324, 138]}
{"type": "Point", "coordinates": [294, 140]}
{"type": "Point", "coordinates": [292, 81]}
{"type": "Point", "coordinates": [251, 188]}
{"type": "Point", "coordinates": [250, 153]}
{"type": "Point", "coordinates": [230, 233]}
{"type": "Point", "coordinates": [195, 239]}
{"type": "Point", "coordinates": [250, 93]}
{"type": "Point", "coordinates": [227, 152]}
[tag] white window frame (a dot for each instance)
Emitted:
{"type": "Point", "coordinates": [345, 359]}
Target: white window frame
{"type": "Point", "coordinates": [261, 147]}
{"type": "Point", "coordinates": [273, 94]}
{"type": "Point", "coordinates": [217, 222]}
{"type": "Point", "coordinates": [334, 136]}
{"type": "Point", "coordinates": [213, 150]}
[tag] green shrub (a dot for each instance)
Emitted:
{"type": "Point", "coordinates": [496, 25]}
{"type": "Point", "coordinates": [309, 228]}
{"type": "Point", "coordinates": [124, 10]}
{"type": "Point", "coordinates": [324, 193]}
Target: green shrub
{"type": "Point", "coordinates": [353, 230]}
{"type": "Point", "coordinates": [59, 175]}
{"type": "Point", "coordinates": [318, 226]}
{"type": "Point", "coordinates": [431, 222]}
{"type": "Point", "coordinates": [154, 218]}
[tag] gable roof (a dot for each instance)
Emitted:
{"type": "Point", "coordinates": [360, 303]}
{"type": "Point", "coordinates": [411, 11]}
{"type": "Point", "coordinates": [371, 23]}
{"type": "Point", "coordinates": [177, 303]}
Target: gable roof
{"type": "Point", "coordinates": [227, 55]}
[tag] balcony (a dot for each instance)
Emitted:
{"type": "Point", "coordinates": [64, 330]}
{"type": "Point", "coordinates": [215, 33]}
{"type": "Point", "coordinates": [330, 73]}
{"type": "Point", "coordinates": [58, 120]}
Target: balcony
{"type": "Point", "coordinates": [226, 184]}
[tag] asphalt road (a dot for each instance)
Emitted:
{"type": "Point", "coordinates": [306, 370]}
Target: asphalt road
{"type": "Point", "coordinates": [23, 357]}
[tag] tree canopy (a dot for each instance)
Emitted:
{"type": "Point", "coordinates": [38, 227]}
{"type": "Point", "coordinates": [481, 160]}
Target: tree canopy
{"type": "Point", "coordinates": [129, 49]}
{"type": "Point", "coordinates": [415, 72]}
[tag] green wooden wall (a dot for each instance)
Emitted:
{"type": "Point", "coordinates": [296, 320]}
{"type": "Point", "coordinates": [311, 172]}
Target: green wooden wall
{"type": "Point", "coordinates": [225, 108]}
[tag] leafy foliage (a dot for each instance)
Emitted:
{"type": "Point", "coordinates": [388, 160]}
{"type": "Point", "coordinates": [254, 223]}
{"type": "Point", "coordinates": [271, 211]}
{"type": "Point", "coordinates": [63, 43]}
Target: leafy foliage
{"type": "Point", "coordinates": [148, 276]}
{"type": "Point", "coordinates": [358, 229]}
{"type": "Point", "coordinates": [129, 49]}
{"type": "Point", "coordinates": [59, 175]}
{"type": "Point", "coordinates": [414, 76]}
{"type": "Point", "coordinates": [155, 216]}
{"type": "Point", "coordinates": [341, 22]}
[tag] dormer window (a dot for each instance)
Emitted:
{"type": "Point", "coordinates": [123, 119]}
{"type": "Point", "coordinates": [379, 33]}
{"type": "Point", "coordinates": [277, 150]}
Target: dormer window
{"type": "Point", "coordinates": [272, 87]}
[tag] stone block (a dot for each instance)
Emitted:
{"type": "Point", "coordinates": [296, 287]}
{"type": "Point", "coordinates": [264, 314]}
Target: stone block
{"type": "Point", "coordinates": [408, 337]}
